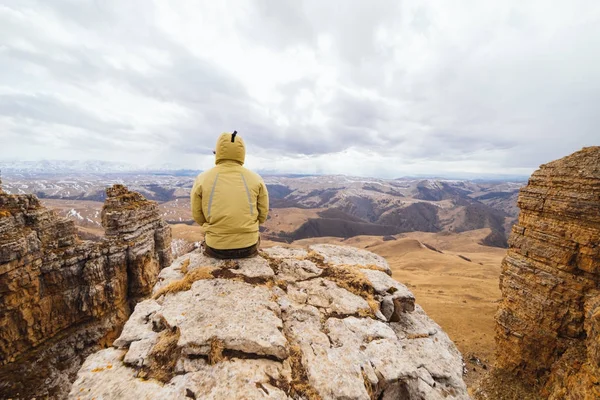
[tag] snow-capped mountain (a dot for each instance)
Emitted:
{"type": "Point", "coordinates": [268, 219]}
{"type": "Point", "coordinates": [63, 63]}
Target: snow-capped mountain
{"type": "Point", "coordinates": [59, 166]}
{"type": "Point", "coordinates": [55, 167]}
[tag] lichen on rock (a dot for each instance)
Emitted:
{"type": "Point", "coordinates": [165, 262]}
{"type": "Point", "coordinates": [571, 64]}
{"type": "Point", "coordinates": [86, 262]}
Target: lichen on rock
{"type": "Point", "coordinates": [283, 325]}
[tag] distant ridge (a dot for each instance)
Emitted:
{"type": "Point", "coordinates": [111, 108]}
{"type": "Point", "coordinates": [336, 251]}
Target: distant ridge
{"type": "Point", "coordinates": [42, 167]}
{"type": "Point", "coordinates": [54, 167]}
{"type": "Point", "coordinates": [468, 176]}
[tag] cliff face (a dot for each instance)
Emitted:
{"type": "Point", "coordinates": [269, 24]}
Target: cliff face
{"type": "Point", "coordinates": [128, 217]}
{"type": "Point", "coordinates": [548, 325]}
{"type": "Point", "coordinates": [60, 296]}
{"type": "Point", "coordinates": [326, 322]}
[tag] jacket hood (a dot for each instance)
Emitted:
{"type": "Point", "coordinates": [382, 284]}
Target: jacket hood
{"type": "Point", "coordinates": [230, 146]}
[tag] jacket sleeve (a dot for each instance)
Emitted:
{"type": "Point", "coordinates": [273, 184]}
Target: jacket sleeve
{"type": "Point", "coordinates": [263, 202]}
{"type": "Point", "coordinates": [196, 200]}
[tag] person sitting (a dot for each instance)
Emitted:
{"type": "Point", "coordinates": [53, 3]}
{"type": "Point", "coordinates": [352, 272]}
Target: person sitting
{"type": "Point", "coordinates": [230, 202]}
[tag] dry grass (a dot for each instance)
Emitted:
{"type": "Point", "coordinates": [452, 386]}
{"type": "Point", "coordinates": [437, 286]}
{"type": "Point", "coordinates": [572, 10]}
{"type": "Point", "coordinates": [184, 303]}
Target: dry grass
{"type": "Point", "coordinates": [277, 282]}
{"type": "Point", "coordinates": [373, 308]}
{"type": "Point", "coordinates": [315, 257]}
{"type": "Point", "coordinates": [226, 273]}
{"type": "Point", "coordinates": [300, 387]}
{"type": "Point", "coordinates": [368, 386]}
{"type": "Point", "coordinates": [163, 357]}
{"type": "Point", "coordinates": [187, 281]}
{"type": "Point", "coordinates": [351, 279]}
{"type": "Point", "coordinates": [504, 385]}
{"type": "Point", "coordinates": [417, 336]}
{"type": "Point", "coordinates": [216, 351]}
{"type": "Point", "coordinates": [273, 262]}
{"type": "Point", "coordinates": [185, 265]}
{"type": "Point", "coordinates": [100, 369]}
{"type": "Point", "coordinates": [210, 272]}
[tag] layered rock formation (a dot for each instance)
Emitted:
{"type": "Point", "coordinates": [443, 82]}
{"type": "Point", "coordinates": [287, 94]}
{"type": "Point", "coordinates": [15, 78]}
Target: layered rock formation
{"type": "Point", "coordinates": [324, 323]}
{"type": "Point", "coordinates": [127, 217]}
{"type": "Point", "coordinates": [548, 325]}
{"type": "Point", "coordinates": [60, 296]}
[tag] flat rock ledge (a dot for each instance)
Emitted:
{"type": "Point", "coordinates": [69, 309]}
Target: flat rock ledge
{"type": "Point", "coordinates": [327, 322]}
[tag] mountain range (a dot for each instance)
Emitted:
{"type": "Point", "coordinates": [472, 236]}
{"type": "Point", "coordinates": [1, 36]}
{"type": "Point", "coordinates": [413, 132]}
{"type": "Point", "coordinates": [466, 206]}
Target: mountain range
{"type": "Point", "coordinates": [328, 205]}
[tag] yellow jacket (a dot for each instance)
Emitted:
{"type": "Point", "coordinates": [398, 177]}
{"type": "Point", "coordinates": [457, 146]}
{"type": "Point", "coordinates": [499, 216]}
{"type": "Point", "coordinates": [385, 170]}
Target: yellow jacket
{"type": "Point", "coordinates": [229, 200]}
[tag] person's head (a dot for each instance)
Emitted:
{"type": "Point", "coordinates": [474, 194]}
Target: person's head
{"type": "Point", "coordinates": [230, 146]}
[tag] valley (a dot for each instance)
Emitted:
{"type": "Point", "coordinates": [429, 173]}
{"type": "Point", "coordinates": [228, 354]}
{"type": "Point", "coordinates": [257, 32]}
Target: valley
{"type": "Point", "coordinates": [303, 206]}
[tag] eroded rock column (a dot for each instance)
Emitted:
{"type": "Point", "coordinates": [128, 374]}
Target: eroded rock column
{"type": "Point", "coordinates": [547, 325]}
{"type": "Point", "coordinates": [130, 219]}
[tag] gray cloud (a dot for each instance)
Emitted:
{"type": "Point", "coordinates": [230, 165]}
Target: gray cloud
{"type": "Point", "coordinates": [49, 109]}
{"type": "Point", "coordinates": [396, 84]}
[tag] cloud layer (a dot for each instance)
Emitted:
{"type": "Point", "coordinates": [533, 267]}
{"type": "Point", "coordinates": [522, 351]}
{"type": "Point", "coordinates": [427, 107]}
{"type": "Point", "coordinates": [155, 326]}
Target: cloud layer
{"type": "Point", "coordinates": [382, 88]}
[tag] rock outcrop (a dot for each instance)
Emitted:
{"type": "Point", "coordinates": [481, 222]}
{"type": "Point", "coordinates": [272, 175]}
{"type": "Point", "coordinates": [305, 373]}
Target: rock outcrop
{"type": "Point", "coordinates": [127, 217]}
{"type": "Point", "coordinates": [60, 297]}
{"type": "Point", "coordinates": [548, 324]}
{"type": "Point", "coordinates": [328, 322]}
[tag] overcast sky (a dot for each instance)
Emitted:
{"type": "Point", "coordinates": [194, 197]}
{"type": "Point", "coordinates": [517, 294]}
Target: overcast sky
{"type": "Point", "coordinates": [372, 88]}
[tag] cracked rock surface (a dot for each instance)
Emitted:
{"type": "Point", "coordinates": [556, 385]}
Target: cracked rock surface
{"type": "Point", "coordinates": [323, 323]}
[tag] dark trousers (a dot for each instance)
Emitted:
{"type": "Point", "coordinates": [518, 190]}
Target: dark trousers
{"type": "Point", "coordinates": [246, 252]}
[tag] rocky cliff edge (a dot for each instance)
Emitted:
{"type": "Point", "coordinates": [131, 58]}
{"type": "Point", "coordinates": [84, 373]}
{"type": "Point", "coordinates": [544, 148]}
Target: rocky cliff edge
{"type": "Point", "coordinates": [327, 322]}
{"type": "Point", "coordinates": [61, 297]}
{"type": "Point", "coordinates": [548, 324]}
